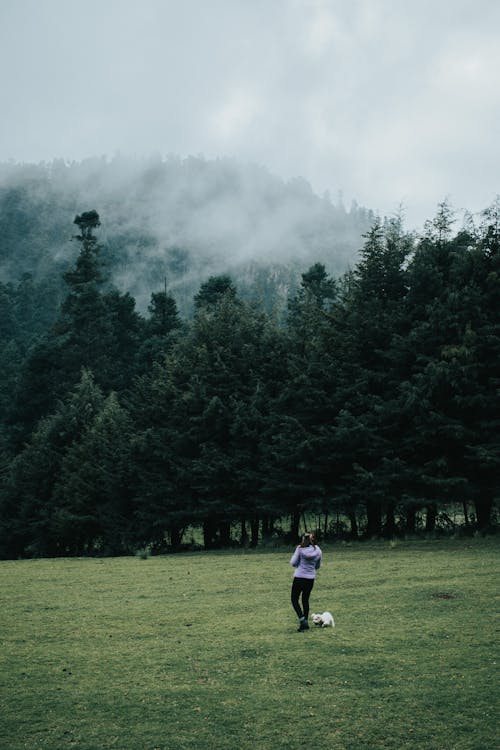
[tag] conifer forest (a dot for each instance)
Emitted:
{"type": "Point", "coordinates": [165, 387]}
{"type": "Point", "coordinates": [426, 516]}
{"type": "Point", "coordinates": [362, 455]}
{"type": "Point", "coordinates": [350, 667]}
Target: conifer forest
{"type": "Point", "coordinates": [228, 404]}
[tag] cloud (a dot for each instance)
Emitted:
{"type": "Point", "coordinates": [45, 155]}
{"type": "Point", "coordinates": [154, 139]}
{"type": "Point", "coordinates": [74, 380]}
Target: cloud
{"type": "Point", "coordinates": [387, 101]}
{"type": "Point", "coordinates": [236, 114]}
{"type": "Point", "coordinates": [322, 30]}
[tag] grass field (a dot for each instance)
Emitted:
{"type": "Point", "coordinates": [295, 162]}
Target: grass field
{"type": "Point", "coordinates": [201, 651]}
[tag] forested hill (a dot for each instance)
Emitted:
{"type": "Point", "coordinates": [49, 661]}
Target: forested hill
{"type": "Point", "coordinates": [174, 220]}
{"type": "Point", "coordinates": [372, 405]}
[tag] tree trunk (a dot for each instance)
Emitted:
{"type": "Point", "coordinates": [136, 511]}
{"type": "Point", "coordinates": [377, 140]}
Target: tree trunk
{"type": "Point", "coordinates": [483, 503]}
{"type": "Point", "coordinates": [430, 519]}
{"type": "Point", "coordinates": [225, 533]}
{"type": "Point", "coordinates": [266, 526]}
{"type": "Point", "coordinates": [254, 532]}
{"type": "Point", "coordinates": [411, 519]}
{"type": "Point", "coordinates": [295, 523]}
{"type": "Point", "coordinates": [209, 533]}
{"type": "Point", "coordinates": [351, 515]}
{"type": "Point", "coordinates": [244, 535]}
{"type": "Point", "coordinates": [390, 521]}
{"type": "Point", "coordinates": [175, 537]}
{"type": "Point", "coordinates": [373, 518]}
{"type": "Point", "coordinates": [466, 513]}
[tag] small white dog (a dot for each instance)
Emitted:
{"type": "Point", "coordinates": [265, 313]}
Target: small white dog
{"type": "Point", "coordinates": [325, 620]}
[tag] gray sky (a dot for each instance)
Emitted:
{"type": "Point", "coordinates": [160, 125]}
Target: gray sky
{"type": "Point", "coordinates": [388, 101]}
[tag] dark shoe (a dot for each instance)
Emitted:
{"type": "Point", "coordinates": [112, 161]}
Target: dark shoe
{"type": "Point", "coordinates": [304, 625]}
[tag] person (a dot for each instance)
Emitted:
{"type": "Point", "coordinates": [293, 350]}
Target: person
{"type": "Point", "coordinates": [306, 560]}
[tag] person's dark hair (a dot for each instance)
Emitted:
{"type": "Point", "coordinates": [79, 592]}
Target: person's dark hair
{"type": "Point", "coordinates": [307, 539]}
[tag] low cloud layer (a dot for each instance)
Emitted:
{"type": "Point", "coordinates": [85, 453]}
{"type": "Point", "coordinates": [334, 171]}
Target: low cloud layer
{"type": "Point", "coordinates": [388, 102]}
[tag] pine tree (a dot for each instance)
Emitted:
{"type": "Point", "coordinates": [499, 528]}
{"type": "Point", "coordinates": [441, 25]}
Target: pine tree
{"type": "Point", "coordinates": [299, 478]}
{"type": "Point", "coordinates": [97, 328]}
{"type": "Point", "coordinates": [27, 503]}
{"type": "Point", "coordinates": [370, 322]}
{"type": "Point", "coordinates": [451, 395]}
{"type": "Point", "coordinates": [92, 497]}
{"type": "Point", "coordinates": [159, 330]}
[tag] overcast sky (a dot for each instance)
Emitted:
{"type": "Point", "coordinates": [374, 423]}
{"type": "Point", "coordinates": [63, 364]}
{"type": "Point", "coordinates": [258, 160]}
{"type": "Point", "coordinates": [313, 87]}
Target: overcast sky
{"type": "Point", "coordinates": [388, 101]}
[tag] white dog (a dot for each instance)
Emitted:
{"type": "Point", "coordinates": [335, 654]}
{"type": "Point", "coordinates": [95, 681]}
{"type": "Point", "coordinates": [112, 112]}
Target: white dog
{"type": "Point", "coordinates": [325, 620]}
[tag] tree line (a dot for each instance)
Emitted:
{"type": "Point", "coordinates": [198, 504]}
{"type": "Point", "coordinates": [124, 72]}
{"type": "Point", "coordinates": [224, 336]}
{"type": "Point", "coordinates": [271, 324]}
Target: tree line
{"type": "Point", "coordinates": [372, 405]}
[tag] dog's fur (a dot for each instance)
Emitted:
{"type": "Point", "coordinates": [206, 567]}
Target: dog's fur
{"type": "Point", "coordinates": [325, 620]}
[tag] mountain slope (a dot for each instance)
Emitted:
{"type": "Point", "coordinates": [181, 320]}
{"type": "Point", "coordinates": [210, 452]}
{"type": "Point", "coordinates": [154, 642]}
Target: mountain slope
{"type": "Point", "coordinates": [173, 221]}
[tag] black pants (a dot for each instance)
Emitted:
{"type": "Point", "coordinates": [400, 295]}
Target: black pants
{"type": "Point", "coordinates": [301, 586]}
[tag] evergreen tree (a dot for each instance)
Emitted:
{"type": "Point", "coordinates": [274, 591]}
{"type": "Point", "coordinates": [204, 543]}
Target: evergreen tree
{"type": "Point", "coordinates": [92, 496]}
{"type": "Point", "coordinates": [162, 449]}
{"type": "Point", "coordinates": [159, 330]}
{"type": "Point", "coordinates": [200, 443]}
{"type": "Point", "coordinates": [97, 328]}
{"type": "Point", "coordinates": [27, 503]}
{"type": "Point", "coordinates": [298, 476]}
{"type": "Point", "coordinates": [378, 400]}
{"type": "Point", "coordinates": [370, 322]}
{"type": "Point", "coordinates": [213, 290]}
{"type": "Point", "coordinates": [455, 332]}
{"type": "Point", "coordinates": [226, 391]}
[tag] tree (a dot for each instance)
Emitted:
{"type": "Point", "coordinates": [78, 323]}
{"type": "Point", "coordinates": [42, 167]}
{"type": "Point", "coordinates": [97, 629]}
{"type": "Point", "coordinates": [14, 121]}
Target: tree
{"type": "Point", "coordinates": [27, 503]}
{"type": "Point", "coordinates": [97, 329]}
{"type": "Point", "coordinates": [93, 493]}
{"type": "Point", "coordinates": [370, 322]}
{"type": "Point", "coordinates": [213, 290]}
{"type": "Point", "coordinates": [308, 309]}
{"type": "Point", "coordinates": [227, 361]}
{"type": "Point", "coordinates": [200, 420]}
{"type": "Point", "coordinates": [439, 229]}
{"type": "Point", "coordinates": [159, 330]}
{"type": "Point", "coordinates": [298, 477]}
{"type": "Point", "coordinates": [452, 388]}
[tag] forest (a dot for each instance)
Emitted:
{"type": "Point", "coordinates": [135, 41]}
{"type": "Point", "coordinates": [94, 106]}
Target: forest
{"type": "Point", "coordinates": [369, 401]}
{"type": "Point", "coordinates": [183, 220]}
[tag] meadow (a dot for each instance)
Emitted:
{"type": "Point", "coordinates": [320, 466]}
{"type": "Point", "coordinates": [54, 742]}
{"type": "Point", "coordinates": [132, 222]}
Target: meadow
{"type": "Point", "coordinates": [201, 650]}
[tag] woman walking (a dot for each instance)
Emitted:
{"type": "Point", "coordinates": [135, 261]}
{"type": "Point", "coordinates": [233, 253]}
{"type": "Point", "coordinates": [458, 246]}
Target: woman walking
{"type": "Point", "coordinates": [306, 560]}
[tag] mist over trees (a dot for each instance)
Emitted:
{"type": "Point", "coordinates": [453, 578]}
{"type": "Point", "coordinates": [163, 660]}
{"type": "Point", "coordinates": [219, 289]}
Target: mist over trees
{"type": "Point", "coordinates": [179, 220]}
{"type": "Point", "coordinates": [369, 403]}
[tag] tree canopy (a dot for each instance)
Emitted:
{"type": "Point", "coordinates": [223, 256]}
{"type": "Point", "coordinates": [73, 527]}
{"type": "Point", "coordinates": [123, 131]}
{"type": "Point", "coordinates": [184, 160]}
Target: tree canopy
{"type": "Point", "coordinates": [371, 408]}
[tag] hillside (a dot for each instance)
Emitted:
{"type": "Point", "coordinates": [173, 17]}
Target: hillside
{"type": "Point", "coordinates": [174, 221]}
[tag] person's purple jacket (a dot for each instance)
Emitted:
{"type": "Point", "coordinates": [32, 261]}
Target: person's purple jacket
{"type": "Point", "coordinates": [306, 561]}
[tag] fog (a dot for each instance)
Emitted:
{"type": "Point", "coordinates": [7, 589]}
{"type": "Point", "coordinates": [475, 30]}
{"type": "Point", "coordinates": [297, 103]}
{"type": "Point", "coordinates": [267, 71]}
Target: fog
{"type": "Point", "coordinates": [174, 221]}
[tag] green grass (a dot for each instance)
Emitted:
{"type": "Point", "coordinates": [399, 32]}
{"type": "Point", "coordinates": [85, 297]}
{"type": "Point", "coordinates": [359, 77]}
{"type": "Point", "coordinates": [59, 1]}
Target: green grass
{"type": "Point", "coordinates": [201, 650]}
